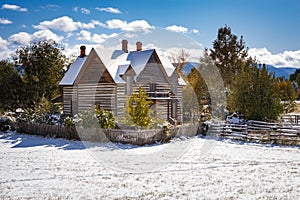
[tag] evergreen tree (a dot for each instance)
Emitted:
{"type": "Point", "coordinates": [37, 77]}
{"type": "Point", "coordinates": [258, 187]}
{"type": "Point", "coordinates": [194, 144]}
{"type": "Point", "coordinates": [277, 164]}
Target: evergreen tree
{"type": "Point", "coordinates": [229, 54]}
{"type": "Point", "coordinates": [137, 110]}
{"type": "Point", "coordinates": [286, 90]}
{"type": "Point", "coordinates": [42, 63]}
{"type": "Point", "coordinates": [10, 86]}
{"type": "Point", "coordinates": [293, 77]}
{"type": "Point", "coordinates": [255, 95]}
{"type": "Point", "coordinates": [287, 95]}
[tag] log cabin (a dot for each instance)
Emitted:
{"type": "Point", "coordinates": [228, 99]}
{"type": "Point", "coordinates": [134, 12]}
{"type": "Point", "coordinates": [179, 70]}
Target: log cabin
{"type": "Point", "coordinates": [106, 77]}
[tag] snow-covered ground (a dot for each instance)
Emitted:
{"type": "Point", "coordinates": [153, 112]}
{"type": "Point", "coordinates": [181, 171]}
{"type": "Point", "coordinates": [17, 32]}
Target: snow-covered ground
{"type": "Point", "coordinates": [41, 168]}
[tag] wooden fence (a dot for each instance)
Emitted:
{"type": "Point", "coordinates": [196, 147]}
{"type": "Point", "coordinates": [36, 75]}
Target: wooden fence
{"type": "Point", "coordinates": [127, 136]}
{"type": "Point", "coordinates": [253, 131]}
{"type": "Point", "coordinates": [257, 131]}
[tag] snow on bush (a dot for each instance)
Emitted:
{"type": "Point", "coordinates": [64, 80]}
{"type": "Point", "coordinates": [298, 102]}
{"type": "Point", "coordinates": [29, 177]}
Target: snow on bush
{"type": "Point", "coordinates": [6, 121]}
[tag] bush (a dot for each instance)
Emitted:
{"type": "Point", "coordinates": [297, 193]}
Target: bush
{"type": "Point", "coordinates": [96, 118]}
{"type": "Point", "coordinates": [105, 118]}
{"type": "Point", "coordinates": [28, 116]}
{"type": "Point", "coordinates": [87, 119]}
{"type": "Point", "coordinates": [6, 122]}
{"type": "Point", "coordinates": [68, 122]}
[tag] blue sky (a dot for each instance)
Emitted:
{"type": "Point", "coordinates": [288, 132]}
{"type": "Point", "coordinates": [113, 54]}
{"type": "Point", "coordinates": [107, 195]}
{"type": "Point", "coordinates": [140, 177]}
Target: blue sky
{"type": "Point", "coordinates": [270, 28]}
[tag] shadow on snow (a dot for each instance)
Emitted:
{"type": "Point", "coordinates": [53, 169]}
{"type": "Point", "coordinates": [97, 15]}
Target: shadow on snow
{"type": "Point", "coordinates": [26, 141]}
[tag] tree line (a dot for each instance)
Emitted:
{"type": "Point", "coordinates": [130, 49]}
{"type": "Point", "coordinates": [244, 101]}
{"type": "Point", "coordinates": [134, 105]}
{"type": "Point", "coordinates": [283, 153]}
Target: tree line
{"type": "Point", "coordinates": [32, 75]}
{"type": "Point", "coordinates": [250, 89]}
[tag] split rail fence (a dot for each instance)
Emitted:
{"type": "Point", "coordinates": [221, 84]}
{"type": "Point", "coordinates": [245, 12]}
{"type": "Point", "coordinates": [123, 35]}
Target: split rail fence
{"type": "Point", "coordinates": [258, 131]}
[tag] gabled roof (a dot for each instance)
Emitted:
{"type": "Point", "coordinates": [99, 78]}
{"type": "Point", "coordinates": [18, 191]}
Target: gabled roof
{"type": "Point", "coordinates": [139, 59]}
{"type": "Point", "coordinates": [122, 69]}
{"type": "Point", "coordinates": [117, 63]}
{"type": "Point", "coordinates": [169, 67]}
{"type": "Point", "coordinates": [112, 59]}
{"type": "Point", "coordinates": [73, 71]}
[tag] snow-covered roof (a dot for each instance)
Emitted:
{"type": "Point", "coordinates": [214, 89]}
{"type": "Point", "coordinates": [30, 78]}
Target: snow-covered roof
{"type": "Point", "coordinates": [181, 81]}
{"type": "Point", "coordinates": [139, 59]}
{"type": "Point", "coordinates": [117, 63]}
{"type": "Point", "coordinates": [122, 69]}
{"type": "Point", "coordinates": [169, 67]}
{"type": "Point", "coordinates": [112, 59]}
{"type": "Point", "coordinates": [73, 72]}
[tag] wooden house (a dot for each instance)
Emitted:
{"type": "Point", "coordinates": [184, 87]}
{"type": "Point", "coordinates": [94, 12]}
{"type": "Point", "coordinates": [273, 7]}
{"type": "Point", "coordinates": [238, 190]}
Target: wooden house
{"type": "Point", "coordinates": [107, 77]}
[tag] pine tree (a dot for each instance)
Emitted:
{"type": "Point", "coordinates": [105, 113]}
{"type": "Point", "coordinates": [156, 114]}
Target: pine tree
{"type": "Point", "coordinates": [230, 54]}
{"type": "Point", "coordinates": [255, 95]}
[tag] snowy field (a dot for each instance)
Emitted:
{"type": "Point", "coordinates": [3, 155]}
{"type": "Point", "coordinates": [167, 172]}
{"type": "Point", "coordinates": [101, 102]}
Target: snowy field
{"type": "Point", "coordinates": [39, 168]}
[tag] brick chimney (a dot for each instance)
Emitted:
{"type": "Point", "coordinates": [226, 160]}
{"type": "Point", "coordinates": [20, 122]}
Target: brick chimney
{"type": "Point", "coordinates": [139, 46]}
{"type": "Point", "coordinates": [124, 46]}
{"type": "Point", "coordinates": [82, 51]}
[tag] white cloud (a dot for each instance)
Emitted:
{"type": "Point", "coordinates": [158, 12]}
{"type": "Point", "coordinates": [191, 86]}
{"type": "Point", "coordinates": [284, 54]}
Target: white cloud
{"type": "Point", "coordinates": [3, 44]}
{"type": "Point", "coordinates": [178, 29]}
{"type": "Point", "coordinates": [84, 35]}
{"type": "Point", "coordinates": [287, 58]}
{"type": "Point", "coordinates": [51, 6]}
{"type": "Point", "coordinates": [130, 35]}
{"type": "Point", "coordinates": [24, 38]}
{"type": "Point", "coordinates": [110, 10]}
{"type": "Point", "coordinates": [85, 11]}
{"type": "Point", "coordinates": [95, 22]}
{"type": "Point", "coordinates": [95, 38]}
{"type": "Point", "coordinates": [21, 38]}
{"type": "Point", "coordinates": [7, 47]}
{"type": "Point", "coordinates": [5, 21]}
{"type": "Point", "coordinates": [5, 52]}
{"type": "Point", "coordinates": [181, 29]}
{"type": "Point", "coordinates": [101, 38]}
{"type": "Point", "coordinates": [47, 35]}
{"type": "Point", "coordinates": [74, 51]}
{"type": "Point", "coordinates": [14, 7]}
{"type": "Point", "coordinates": [134, 26]}
{"type": "Point", "coordinates": [67, 24]}
{"type": "Point", "coordinates": [194, 54]}
{"type": "Point", "coordinates": [195, 31]}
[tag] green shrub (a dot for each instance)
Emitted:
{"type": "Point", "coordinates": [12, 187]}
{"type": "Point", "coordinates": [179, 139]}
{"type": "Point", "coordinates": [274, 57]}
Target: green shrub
{"type": "Point", "coordinates": [137, 111]}
{"type": "Point", "coordinates": [87, 119]}
{"type": "Point", "coordinates": [69, 122]}
{"type": "Point", "coordinates": [105, 118]}
{"type": "Point", "coordinates": [96, 118]}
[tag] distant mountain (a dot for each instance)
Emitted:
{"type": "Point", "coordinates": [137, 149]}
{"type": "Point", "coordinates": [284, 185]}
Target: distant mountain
{"type": "Point", "coordinates": [282, 71]}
